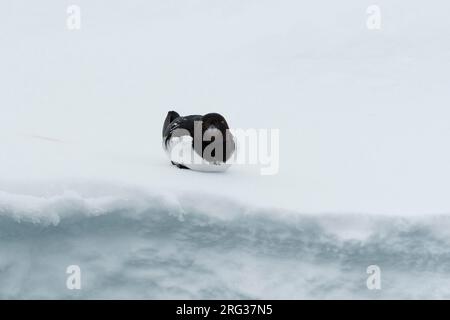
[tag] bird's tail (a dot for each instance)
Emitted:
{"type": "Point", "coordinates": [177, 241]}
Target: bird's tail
{"type": "Point", "coordinates": [171, 115]}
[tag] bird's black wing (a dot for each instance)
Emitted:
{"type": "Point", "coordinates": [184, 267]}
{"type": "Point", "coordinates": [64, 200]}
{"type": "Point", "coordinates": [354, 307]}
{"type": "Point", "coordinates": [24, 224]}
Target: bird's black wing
{"type": "Point", "coordinates": [180, 123]}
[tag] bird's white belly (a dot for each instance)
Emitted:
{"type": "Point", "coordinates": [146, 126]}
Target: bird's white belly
{"type": "Point", "coordinates": [179, 150]}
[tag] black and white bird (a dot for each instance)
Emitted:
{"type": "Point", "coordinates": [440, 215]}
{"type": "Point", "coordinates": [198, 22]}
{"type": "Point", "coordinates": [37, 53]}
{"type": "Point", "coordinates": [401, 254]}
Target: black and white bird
{"type": "Point", "coordinates": [196, 142]}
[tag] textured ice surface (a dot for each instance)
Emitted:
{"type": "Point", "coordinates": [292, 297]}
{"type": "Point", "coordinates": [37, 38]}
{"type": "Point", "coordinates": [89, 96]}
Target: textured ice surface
{"type": "Point", "coordinates": [134, 244]}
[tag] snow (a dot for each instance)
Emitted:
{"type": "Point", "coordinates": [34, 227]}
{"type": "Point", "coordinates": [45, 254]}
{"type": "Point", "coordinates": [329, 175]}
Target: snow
{"type": "Point", "coordinates": [362, 113]}
{"type": "Point", "coordinates": [362, 117]}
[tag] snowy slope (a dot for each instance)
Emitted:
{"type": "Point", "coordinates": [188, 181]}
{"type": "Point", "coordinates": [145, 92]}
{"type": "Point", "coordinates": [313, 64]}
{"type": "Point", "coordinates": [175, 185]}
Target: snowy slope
{"type": "Point", "coordinates": [134, 245]}
{"type": "Point", "coordinates": [362, 114]}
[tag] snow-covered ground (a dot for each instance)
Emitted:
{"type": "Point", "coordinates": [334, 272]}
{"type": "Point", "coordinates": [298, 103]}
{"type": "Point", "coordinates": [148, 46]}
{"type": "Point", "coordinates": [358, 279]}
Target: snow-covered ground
{"type": "Point", "coordinates": [363, 167]}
